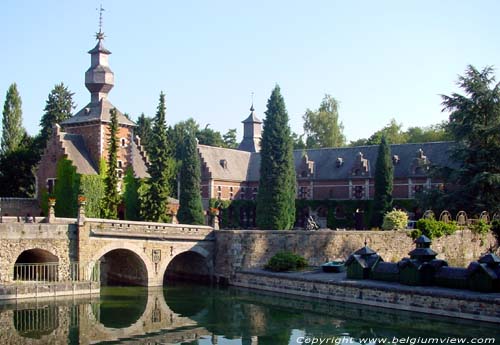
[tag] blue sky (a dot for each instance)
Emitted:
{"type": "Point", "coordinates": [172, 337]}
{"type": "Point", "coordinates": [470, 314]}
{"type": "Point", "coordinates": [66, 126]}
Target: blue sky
{"type": "Point", "coordinates": [379, 59]}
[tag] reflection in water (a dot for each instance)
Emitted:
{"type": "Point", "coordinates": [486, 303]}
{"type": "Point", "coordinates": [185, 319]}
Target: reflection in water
{"type": "Point", "coordinates": [187, 314]}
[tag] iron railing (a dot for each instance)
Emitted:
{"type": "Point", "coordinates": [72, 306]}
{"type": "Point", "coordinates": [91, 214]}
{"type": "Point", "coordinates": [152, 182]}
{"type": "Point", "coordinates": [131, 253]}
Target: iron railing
{"type": "Point", "coordinates": [50, 272]}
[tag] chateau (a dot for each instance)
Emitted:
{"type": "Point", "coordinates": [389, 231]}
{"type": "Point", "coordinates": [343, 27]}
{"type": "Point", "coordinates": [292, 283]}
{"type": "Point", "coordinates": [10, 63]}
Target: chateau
{"type": "Point", "coordinates": [331, 173]}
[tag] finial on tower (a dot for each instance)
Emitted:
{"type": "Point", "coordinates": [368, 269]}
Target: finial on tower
{"type": "Point", "coordinates": [100, 35]}
{"type": "Point", "coordinates": [252, 108]}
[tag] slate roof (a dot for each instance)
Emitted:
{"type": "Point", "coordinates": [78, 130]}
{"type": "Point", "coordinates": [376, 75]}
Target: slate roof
{"type": "Point", "coordinates": [365, 251]}
{"type": "Point", "coordinates": [138, 164]}
{"type": "Point", "coordinates": [237, 167]}
{"type": "Point", "coordinates": [98, 111]}
{"type": "Point", "coordinates": [245, 166]}
{"type": "Point", "coordinates": [489, 258]}
{"type": "Point", "coordinates": [423, 239]}
{"type": "Point", "coordinates": [364, 261]}
{"type": "Point", "coordinates": [77, 153]}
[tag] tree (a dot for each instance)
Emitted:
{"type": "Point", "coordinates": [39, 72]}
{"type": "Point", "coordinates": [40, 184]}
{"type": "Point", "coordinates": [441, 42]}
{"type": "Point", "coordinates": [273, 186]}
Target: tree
{"type": "Point", "coordinates": [474, 123]}
{"type": "Point", "coordinates": [131, 195]}
{"type": "Point", "coordinates": [230, 140]}
{"type": "Point", "coordinates": [298, 141]}
{"type": "Point", "coordinates": [432, 133]}
{"type": "Point", "coordinates": [208, 136]}
{"type": "Point", "coordinates": [384, 175]}
{"type": "Point", "coordinates": [112, 197]}
{"type": "Point", "coordinates": [276, 195]}
{"type": "Point", "coordinates": [16, 170]}
{"type": "Point", "coordinates": [12, 121]}
{"type": "Point", "coordinates": [58, 107]}
{"type": "Point", "coordinates": [161, 169]}
{"type": "Point", "coordinates": [191, 208]}
{"type": "Point", "coordinates": [322, 127]}
{"type": "Point", "coordinates": [144, 130]}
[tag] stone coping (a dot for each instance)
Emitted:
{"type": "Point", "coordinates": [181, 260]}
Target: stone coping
{"type": "Point", "coordinates": [188, 236]}
{"type": "Point", "coordinates": [340, 279]}
{"type": "Point", "coordinates": [312, 232]}
{"type": "Point", "coordinates": [168, 225]}
{"type": "Point", "coordinates": [10, 291]}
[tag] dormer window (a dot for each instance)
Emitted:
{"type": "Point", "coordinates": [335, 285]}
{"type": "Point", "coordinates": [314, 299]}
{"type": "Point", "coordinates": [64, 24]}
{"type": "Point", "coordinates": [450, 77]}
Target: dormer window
{"type": "Point", "coordinates": [223, 163]}
{"type": "Point", "coordinates": [395, 159]}
{"type": "Point", "coordinates": [361, 166]}
{"type": "Point", "coordinates": [339, 162]}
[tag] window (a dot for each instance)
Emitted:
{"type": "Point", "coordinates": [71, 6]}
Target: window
{"type": "Point", "coordinates": [120, 164]}
{"type": "Point", "coordinates": [219, 195]}
{"type": "Point", "coordinates": [119, 173]}
{"type": "Point", "coordinates": [231, 196]}
{"type": "Point", "coordinates": [358, 192]}
{"type": "Point", "coordinates": [123, 142]}
{"type": "Point", "coordinates": [303, 192]}
{"type": "Point", "coordinates": [51, 185]}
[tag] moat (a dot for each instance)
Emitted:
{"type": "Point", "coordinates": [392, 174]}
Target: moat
{"type": "Point", "coordinates": [193, 314]}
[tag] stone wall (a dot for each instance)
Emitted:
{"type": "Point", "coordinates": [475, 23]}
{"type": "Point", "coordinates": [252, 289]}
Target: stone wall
{"type": "Point", "coordinates": [58, 239]}
{"type": "Point", "coordinates": [240, 249]}
{"type": "Point", "coordinates": [445, 302]}
{"type": "Point", "coordinates": [19, 207]}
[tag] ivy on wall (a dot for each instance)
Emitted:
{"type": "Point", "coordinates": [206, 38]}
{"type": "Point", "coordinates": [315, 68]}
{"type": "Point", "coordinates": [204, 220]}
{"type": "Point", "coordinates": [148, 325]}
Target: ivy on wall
{"type": "Point", "coordinates": [131, 195]}
{"type": "Point", "coordinates": [339, 213]}
{"type": "Point", "coordinates": [92, 187]}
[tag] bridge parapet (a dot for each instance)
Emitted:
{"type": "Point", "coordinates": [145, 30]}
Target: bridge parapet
{"type": "Point", "coordinates": [120, 228]}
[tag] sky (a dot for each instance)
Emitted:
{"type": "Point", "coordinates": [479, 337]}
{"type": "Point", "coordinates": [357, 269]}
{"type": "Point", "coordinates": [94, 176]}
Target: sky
{"type": "Point", "coordinates": [379, 59]}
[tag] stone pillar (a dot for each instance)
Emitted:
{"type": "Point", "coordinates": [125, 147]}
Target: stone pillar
{"type": "Point", "coordinates": [82, 201]}
{"type": "Point", "coordinates": [51, 218]}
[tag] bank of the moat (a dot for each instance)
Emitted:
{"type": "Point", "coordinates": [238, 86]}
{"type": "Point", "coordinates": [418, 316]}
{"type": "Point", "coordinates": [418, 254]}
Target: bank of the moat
{"type": "Point", "coordinates": [202, 315]}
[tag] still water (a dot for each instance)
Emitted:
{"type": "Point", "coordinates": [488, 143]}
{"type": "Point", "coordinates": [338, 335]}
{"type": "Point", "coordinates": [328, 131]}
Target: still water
{"type": "Point", "coordinates": [189, 314]}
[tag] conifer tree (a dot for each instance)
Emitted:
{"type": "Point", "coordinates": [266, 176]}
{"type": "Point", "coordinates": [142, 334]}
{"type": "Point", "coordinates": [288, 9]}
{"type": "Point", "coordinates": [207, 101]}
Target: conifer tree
{"type": "Point", "coordinates": [58, 108]}
{"type": "Point", "coordinates": [191, 208]}
{"type": "Point", "coordinates": [276, 195]}
{"type": "Point", "coordinates": [384, 174]}
{"type": "Point", "coordinates": [112, 197]}
{"type": "Point", "coordinates": [12, 121]}
{"type": "Point", "coordinates": [161, 169]}
{"type": "Point", "coordinates": [131, 195]}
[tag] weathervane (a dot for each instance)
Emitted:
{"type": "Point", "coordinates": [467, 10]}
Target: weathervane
{"type": "Point", "coordinates": [100, 35]}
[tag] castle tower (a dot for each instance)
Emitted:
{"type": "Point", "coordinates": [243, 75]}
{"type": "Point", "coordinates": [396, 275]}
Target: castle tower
{"type": "Point", "coordinates": [92, 122]}
{"type": "Point", "coordinates": [252, 133]}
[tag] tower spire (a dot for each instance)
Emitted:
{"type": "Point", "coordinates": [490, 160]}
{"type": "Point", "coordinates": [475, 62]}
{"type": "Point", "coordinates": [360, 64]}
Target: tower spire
{"type": "Point", "coordinates": [100, 35]}
{"type": "Point", "coordinates": [252, 108]}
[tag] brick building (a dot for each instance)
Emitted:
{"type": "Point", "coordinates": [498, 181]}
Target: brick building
{"type": "Point", "coordinates": [83, 138]}
{"type": "Point", "coordinates": [345, 173]}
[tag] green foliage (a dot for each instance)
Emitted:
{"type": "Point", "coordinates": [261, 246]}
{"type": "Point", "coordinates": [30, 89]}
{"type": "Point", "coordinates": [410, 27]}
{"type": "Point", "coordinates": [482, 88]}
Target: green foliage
{"type": "Point", "coordinates": [44, 201]}
{"type": "Point", "coordinates": [322, 127]}
{"type": "Point", "coordinates": [231, 210]}
{"type": "Point", "coordinates": [384, 175]}
{"type": "Point", "coordinates": [276, 195]}
{"type": "Point", "coordinates": [161, 169]}
{"type": "Point", "coordinates": [16, 170]}
{"type": "Point", "coordinates": [111, 197]}
{"type": "Point", "coordinates": [475, 126]}
{"type": "Point", "coordinates": [93, 188]}
{"type": "Point", "coordinates": [12, 121]}
{"type": "Point", "coordinates": [434, 228]}
{"type": "Point", "coordinates": [66, 190]}
{"type": "Point", "coordinates": [480, 227]}
{"type": "Point", "coordinates": [190, 206]}
{"type": "Point", "coordinates": [395, 220]}
{"type": "Point", "coordinates": [144, 130]}
{"type": "Point", "coordinates": [286, 261]}
{"type": "Point", "coordinates": [131, 195]}
{"type": "Point", "coordinates": [58, 108]}
{"type": "Point", "coordinates": [431, 133]}
{"type": "Point", "coordinates": [230, 140]}
{"type": "Point", "coordinates": [298, 141]}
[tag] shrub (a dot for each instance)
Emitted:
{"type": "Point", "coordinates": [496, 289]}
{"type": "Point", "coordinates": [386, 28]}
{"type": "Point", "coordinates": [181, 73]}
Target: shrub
{"type": "Point", "coordinates": [480, 227]}
{"type": "Point", "coordinates": [285, 261]}
{"type": "Point", "coordinates": [395, 220]}
{"type": "Point", "coordinates": [434, 228]}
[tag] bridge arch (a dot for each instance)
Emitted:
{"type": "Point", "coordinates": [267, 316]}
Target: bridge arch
{"type": "Point", "coordinates": [121, 264]}
{"type": "Point", "coordinates": [191, 265]}
{"type": "Point", "coordinates": [36, 264]}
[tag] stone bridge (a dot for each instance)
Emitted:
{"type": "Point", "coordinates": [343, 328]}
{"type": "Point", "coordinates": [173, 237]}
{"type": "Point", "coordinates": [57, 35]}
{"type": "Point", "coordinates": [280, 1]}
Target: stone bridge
{"type": "Point", "coordinates": [115, 252]}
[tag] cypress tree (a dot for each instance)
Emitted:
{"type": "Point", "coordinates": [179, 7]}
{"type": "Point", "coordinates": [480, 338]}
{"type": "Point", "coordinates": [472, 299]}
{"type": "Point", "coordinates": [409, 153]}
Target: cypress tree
{"type": "Point", "coordinates": [161, 169]}
{"type": "Point", "coordinates": [112, 197]}
{"type": "Point", "coordinates": [276, 196]}
{"type": "Point", "coordinates": [58, 108]}
{"type": "Point", "coordinates": [12, 121]}
{"type": "Point", "coordinates": [191, 208]}
{"type": "Point", "coordinates": [382, 200]}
